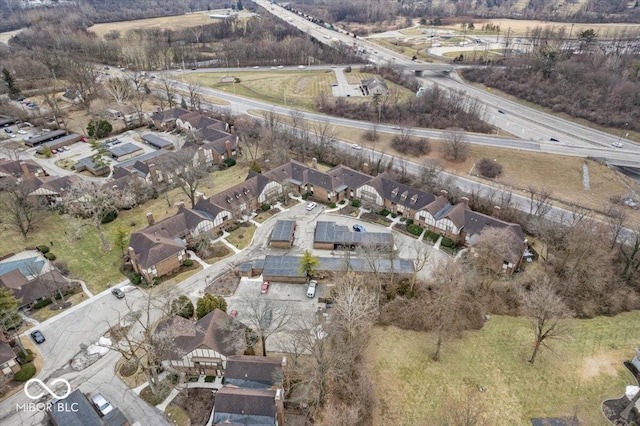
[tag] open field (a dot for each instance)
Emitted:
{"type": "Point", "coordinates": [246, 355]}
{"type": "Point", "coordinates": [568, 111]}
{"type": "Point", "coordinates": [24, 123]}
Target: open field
{"type": "Point", "coordinates": [411, 389]}
{"type": "Point", "coordinates": [166, 22]}
{"type": "Point", "coordinates": [561, 174]}
{"type": "Point", "coordinates": [76, 243]}
{"type": "Point", "coordinates": [291, 88]}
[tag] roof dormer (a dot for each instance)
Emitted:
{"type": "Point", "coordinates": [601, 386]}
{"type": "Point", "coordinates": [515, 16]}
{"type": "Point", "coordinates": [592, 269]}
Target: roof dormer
{"type": "Point", "coordinates": [394, 193]}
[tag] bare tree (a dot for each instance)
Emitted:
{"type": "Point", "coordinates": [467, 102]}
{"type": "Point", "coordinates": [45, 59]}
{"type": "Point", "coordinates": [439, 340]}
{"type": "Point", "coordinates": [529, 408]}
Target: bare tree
{"type": "Point", "coordinates": [138, 94]}
{"type": "Point", "coordinates": [93, 202]}
{"type": "Point", "coordinates": [183, 170]}
{"type": "Point", "coordinates": [324, 139]}
{"type": "Point", "coordinates": [454, 146]}
{"type": "Point", "coordinates": [493, 247]}
{"type": "Point", "coordinates": [16, 206]}
{"type": "Point", "coordinates": [137, 340]}
{"type": "Point", "coordinates": [169, 91]}
{"type": "Point", "coordinates": [119, 89]}
{"type": "Point", "coordinates": [616, 218]}
{"type": "Point", "coordinates": [539, 204]}
{"type": "Point", "coordinates": [83, 77]}
{"type": "Point", "coordinates": [195, 95]}
{"type": "Point", "coordinates": [547, 313]}
{"type": "Point", "coordinates": [448, 304]}
{"type": "Point", "coordinates": [267, 317]}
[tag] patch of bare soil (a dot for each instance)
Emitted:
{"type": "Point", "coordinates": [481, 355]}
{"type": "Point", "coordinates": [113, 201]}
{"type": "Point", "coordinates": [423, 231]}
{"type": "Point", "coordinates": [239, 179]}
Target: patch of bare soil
{"type": "Point", "coordinates": [197, 403]}
{"type": "Point", "coordinates": [595, 366]}
{"type": "Point", "coordinates": [225, 285]}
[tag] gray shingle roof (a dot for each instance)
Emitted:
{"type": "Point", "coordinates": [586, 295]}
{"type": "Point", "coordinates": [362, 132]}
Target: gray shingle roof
{"type": "Point", "coordinates": [283, 230]}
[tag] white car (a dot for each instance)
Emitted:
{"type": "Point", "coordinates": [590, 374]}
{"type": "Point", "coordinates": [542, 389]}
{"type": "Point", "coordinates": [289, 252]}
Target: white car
{"type": "Point", "coordinates": [311, 206]}
{"type": "Point", "coordinates": [280, 67]}
{"type": "Point", "coordinates": [256, 67]}
{"type": "Point", "coordinates": [22, 132]}
{"type": "Point", "coordinates": [617, 145]}
{"type": "Point", "coordinates": [101, 404]}
{"type": "Point", "coordinates": [301, 67]}
{"type": "Point", "coordinates": [356, 146]}
{"type": "Point", "coordinates": [311, 290]}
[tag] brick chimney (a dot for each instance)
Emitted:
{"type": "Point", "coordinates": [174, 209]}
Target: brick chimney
{"type": "Point", "coordinates": [25, 169]}
{"type": "Point", "coordinates": [279, 400]}
{"type": "Point", "coordinates": [150, 219]}
{"type": "Point", "coordinates": [284, 361]}
{"type": "Point", "coordinates": [444, 193]}
{"type": "Point", "coordinates": [201, 157]}
{"type": "Point", "coordinates": [133, 259]}
{"type": "Point", "coordinates": [228, 148]}
{"type": "Point", "coordinates": [465, 200]}
{"type": "Point", "coordinates": [496, 212]}
{"type": "Point", "coordinates": [365, 168]}
{"type": "Point", "coordinates": [314, 163]}
{"type": "Point", "coordinates": [153, 171]}
{"type": "Point", "coordinates": [179, 204]}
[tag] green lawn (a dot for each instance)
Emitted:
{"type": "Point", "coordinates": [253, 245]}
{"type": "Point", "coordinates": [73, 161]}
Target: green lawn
{"type": "Point", "coordinates": [76, 242]}
{"type": "Point", "coordinates": [411, 389]}
{"type": "Point", "coordinates": [242, 236]}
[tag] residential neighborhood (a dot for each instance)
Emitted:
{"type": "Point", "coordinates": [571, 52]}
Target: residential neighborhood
{"type": "Point", "coordinates": [391, 213]}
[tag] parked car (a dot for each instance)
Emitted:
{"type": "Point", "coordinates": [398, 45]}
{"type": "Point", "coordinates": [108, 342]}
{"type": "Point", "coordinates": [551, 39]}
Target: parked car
{"type": "Point", "coordinates": [8, 131]}
{"type": "Point", "coordinates": [265, 287]}
{"type": "Point", "coordinates": [37, 336]}
{"type": "Point", "coordinates": [102, 405]}
{"type": "Point", "coordinates": [501, 111]}
{"type": "Point", "coordinates": [554, 140]}
{"type": "Point", "coordinates": [359, 228]}
{"type": "Point", "coordinates": [22, 132]}
{"type": "Point", "coordinates": [117, 293]}
{"type": "Point", "coordinates": [356, 146]}
{"type": "Point", "coordinates": [311, 206]}
{"type": "Point", "coordinates": [311, 290]}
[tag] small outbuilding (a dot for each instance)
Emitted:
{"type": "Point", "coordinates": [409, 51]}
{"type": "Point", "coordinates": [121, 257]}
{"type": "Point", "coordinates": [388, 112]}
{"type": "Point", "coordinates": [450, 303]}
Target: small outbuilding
{"type": "Point", "coordinates": [282, 234]}
{"type": "Point", "coordinates": [88, 164]}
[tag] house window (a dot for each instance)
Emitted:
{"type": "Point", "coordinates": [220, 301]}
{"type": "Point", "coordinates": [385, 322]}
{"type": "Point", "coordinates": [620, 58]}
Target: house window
{"type": "Point", "coordinates": [3, 366]}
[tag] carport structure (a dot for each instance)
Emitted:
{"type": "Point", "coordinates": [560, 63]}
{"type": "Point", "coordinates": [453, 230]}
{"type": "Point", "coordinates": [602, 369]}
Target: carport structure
{"type": "Point", "coordinates": [287, 268]}
{"type": "Point", "coordinates": [282, 234]}
{"type": "Point", "coordinates": [331, 236]}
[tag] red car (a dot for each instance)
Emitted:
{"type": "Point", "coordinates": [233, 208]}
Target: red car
{"type": "Point", "coordinates": [265, 287]}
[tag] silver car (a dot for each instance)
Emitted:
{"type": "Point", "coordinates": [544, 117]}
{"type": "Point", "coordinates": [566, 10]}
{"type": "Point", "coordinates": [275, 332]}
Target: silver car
{"type": "Point", "coordinates": [311, 290]}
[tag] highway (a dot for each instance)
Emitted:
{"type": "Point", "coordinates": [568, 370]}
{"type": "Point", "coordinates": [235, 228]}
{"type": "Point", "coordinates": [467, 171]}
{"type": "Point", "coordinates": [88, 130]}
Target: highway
{"type": "Point", "coordinates": [241, 105]}
{"type": "Point", "coordinates": [521, 121]}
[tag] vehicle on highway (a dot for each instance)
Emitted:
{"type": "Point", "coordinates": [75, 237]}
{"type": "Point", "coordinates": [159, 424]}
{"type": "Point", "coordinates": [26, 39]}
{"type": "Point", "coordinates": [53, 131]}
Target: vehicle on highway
{"type": "Point", "coordinates": [265, 287]}
{"type": "Point", "coordinates": [359, 228]}
{"type": "Point", "coordinates": [256, 67]}
{"type": "Point", "coordinates": [274, 68]}
{"type": "Point", "coordinates": [301, 67]}
{"type": "Point", "coordinates": [102, 405]}
{"type": "Point", "coordinates": [54, 151]}
{"type": "Point", "coordinates": [554, 140]}
{"type": "Point", "coordinates": [311, 290]}
{"type": "Point", "coordinates": [617, 145]}
{"type": "Point", "coordinates": [8, 131]}
{"type": "Point", "coordinates": [356, 146]}
{"type": "Point", "coordinates": [311, 206]}
{"type": "Point", "coordinates": [37, 336]}
{"type": "Point", "coordinates": [117, 293]}
{"type": "Point", "coordinates": [280, 67]}
{"type": "Point", "coordinates": [501, 111]}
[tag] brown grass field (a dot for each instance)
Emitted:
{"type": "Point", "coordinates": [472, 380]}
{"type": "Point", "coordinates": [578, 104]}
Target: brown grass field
{"type": "Point", "coordinates": [572, 379]}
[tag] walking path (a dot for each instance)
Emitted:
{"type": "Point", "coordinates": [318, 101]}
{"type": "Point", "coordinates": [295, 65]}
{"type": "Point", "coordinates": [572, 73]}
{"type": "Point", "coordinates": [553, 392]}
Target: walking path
{"type": "Point", "coordinates": [195, 257]}
{"type": "Point", "coordinates": [84, 287]}
{"type": "Point", "coordinates": [436, 246]}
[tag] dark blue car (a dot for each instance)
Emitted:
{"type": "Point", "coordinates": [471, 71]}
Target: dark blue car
{"type": "Point", "coordinates": [359, 228]}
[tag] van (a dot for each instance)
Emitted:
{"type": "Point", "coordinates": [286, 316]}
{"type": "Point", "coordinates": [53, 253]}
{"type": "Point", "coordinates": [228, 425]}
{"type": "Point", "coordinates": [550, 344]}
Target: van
{"type": "Point", "coordinates": [311, 206]}
{"type": "Point", "coordinates": [311, 290]}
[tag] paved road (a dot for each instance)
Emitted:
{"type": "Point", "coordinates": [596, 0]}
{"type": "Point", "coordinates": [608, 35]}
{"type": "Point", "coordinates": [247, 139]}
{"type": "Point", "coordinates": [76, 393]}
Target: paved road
{"type": "Point", "coordinates": [523, 122]}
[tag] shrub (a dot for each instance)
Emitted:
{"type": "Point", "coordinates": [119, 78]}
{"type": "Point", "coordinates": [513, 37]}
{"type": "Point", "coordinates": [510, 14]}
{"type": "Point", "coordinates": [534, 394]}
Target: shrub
{"type": "Point", "coordinates": [183, 307]}
{"type": "Point", "coordinates": [255, 167]}
{"type": "Point", "coordinates": [230, 162]}
{"type": "Point", "coordinates": [431, 236]}
{"type": "Point", "coordinates": [50, 256]}
{"type": "Point", "coordinates": [136, 279]}
{"type": "Point", "coordinates": [384, 212]}
{"type": "Point", "coordinates": [356, 203]}
{"type": "Point", "coordinates": [26, 356]}
{"type": "Point", "coordinates": [62, 267]}
{"type": "Point", "coordinates": [342, 202]}
{"type": "Point", "coordinates": [208, 303]}
{"type": "Point", "coordinates": [265, 207]}
{"type": "Point", "coordinates": [187, 262]}
{"type": "Point", "coordinates": [489, 168]}
{"type": "Point", "coordinates": [109, 216]}
{"type": "Point", "coordinates": [332, 205]}
{"type": "Point", "coordinates": [26, 372]}
{"type": "Point", "coordinates": [414, 229]}
{"type": "Point", "coordinates": [394, 215]}
{"type": "Point", "coordinates": [306, 195]}
{"type": "Point", "coordinates": [42, 303]}
{"type": "Point", "coordinates": [409, 221]}
{"type": "Point", "coordinates": [448, 242]}
{"type": "Point", "coordinates": [43, 249]}
{"type": "Point", "coordinates": [407, 145]}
